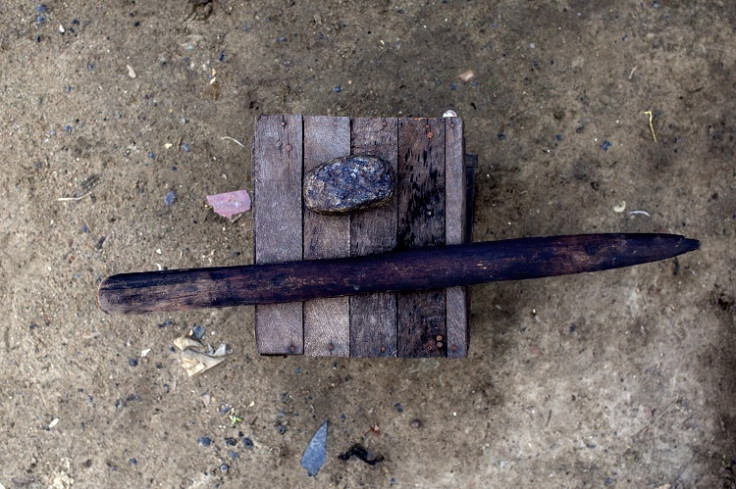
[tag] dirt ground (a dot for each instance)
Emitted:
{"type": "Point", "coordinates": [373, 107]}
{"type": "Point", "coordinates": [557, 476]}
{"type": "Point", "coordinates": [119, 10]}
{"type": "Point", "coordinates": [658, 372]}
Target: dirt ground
{"type": "Point", "coordinates": [616, 379]}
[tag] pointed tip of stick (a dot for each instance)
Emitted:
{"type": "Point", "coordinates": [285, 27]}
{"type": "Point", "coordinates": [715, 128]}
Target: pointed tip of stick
{"type": "Point", "coordinates": [690, 244]}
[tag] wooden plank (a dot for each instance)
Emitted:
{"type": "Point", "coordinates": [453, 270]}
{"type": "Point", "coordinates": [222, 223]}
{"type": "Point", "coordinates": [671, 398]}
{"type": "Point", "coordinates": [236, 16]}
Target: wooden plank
{"type": "Point", "coordinates": [373, 316]}
{"type": "Point", "coordinates": [326, 321]}
{"type": "Point", "coordinates": [277, 168]}
{"type": "Point", "coordinates": [421, 222]}
{"type": "Point", "coordinates": [455, 233]}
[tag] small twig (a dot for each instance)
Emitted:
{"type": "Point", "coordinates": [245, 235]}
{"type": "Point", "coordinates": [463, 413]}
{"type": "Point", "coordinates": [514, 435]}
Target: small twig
{"type": "Point", "coordinates": [631, 75]}
{"type": "Point", "coordinates": [649, 425]}
{"type": "Point", "coordinates": [651, 126]}
{"type": "Point", "coordinates": [639, 213]}
{"type": "Point", "coordinates": [72, 199]}
{"type": "Point", "coordinates": [234, 140]}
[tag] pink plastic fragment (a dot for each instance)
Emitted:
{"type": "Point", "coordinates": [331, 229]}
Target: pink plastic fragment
{"type": "Point", "coordinates": [230, 203]}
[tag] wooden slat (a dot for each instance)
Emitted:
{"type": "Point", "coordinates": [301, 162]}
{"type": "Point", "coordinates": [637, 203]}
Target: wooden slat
{"type": "Point", "coordinates": [421, 222]}
{"type": "Point", "coordinates": [277, 167]}
{"type": "Point", "coordinates": [326, 321]}
{"type": "Point", "coordinates": [373, 317]}
{"type": "Point", "coordinates": [455, 232]}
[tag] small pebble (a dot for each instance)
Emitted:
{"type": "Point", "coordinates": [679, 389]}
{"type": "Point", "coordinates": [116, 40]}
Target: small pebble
{"type": "Point", "coordinates": [170, 197]}
{"type": "Point", "coordinates": [133, 362]}
{"type": "Point", "coordinates": [233, 454]}
{"type": "Point", "coordinates": [230, 441]}
{"type": "Point", "coordinates": [224, 468]}
{"type": "Point", "coordinates": [399, 407]}
{"type": "Point", "coordinates": [40, 19]}
{"type": "Point", "coordinates": [133, 461]}
{"type": "Point", "coordinates": [501, 136]}
{"type": "Point", "coordinates": [68, 128]}
{"type": "Point", "coordinates": [205, 441]}
{"type": "Point", "coordinates": [416, 423]}
{"type": "Point", "coordinates": [197, 332]}
{"type": "Point", "coordinates": [152, 155]}
{"type": "Point", "coordinates": [184, 146]}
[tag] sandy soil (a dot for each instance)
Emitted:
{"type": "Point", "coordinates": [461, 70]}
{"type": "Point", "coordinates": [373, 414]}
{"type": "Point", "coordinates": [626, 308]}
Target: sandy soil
{"type": "Point", "coordinates": [616, 379]}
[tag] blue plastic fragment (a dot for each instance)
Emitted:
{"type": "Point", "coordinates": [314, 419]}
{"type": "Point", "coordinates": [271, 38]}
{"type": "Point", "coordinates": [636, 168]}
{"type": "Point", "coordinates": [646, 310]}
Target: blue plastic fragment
{"type": "Point", "coordinates": [170, 198]}
{"type": "Point", "coordinates": [222, 56]}
{"type": "Point", "coordinates": [40, 19]}
{"type": "Point", "coordinates": [186, 148]}
{"type": "Point", "coordinates": [233, 454]}
{"type": "Point", "coordinates": [316, 452]}
{"type": "Point", "coordinates": [338, 89]}
{"type": "Point", "coordinates": [606, 144]}
{"type": "Point", "coordinates": [133, 362]}
{"type": "Point", "coordinates": [224, 468]}
{"type": "Point", "coordinates": [247, 443]}
{"type": "Point", "coordinates": [133, 461]}
{"type": "Point", "coordinates": [197, 332]}
{"type": "Point", "coordinates": [41, 8]}
{"type": "Point", "coordinates": [205, 441]}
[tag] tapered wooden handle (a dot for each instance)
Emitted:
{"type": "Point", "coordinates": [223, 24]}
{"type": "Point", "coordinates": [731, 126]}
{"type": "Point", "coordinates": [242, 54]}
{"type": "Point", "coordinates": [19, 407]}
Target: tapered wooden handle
{"type": "Point", "coordinates": [413, 269]}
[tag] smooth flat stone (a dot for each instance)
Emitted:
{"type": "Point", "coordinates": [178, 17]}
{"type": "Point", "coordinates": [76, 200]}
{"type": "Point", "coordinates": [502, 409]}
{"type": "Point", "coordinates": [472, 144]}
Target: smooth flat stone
{"type": "Point", "coordinates": [348, 184]}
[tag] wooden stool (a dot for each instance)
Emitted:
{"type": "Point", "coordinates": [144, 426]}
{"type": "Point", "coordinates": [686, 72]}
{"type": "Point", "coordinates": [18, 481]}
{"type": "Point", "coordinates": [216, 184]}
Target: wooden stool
{"type": "Point", "coordinates": [433, 206]}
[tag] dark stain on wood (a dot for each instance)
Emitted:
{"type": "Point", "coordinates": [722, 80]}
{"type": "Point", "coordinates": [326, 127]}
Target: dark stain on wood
{"type": "Point", "coordinates": [421, 204]}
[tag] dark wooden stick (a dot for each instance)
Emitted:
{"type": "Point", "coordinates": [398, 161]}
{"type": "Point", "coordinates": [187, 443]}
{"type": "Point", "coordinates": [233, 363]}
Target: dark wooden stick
{"type": "Point", "coordinates": [414, 269]}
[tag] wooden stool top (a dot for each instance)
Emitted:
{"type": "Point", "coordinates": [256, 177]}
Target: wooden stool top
{"type": "Point", "coordinates": [432, 206]}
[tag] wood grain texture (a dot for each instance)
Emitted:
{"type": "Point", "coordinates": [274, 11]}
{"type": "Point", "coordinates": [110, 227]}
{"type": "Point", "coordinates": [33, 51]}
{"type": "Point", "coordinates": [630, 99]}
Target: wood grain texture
{"type": "Point", "coordinates": [455, 233]}
{"type": "Point", "coordinates": [277, 168]}
{"type": "Point", "coordinates": [373, 326]}
{"type": "Point", "coordinates": [326, 321]}
{"type": "Point", "coordinates": [421, 222]}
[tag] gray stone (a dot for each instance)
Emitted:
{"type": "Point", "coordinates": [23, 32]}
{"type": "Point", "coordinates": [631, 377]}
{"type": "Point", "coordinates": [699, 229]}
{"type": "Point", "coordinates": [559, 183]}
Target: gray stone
{"type": "Point", "coordinates": [348, 184]}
